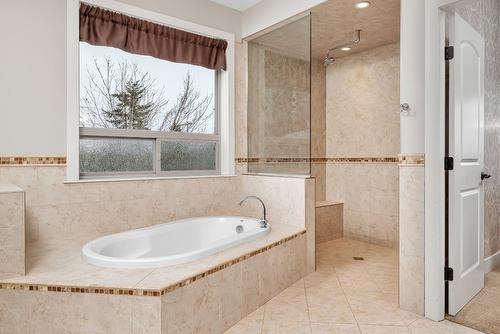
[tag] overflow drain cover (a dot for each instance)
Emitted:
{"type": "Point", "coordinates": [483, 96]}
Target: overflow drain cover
{"type": "Point", "coordinates": [358, 258]}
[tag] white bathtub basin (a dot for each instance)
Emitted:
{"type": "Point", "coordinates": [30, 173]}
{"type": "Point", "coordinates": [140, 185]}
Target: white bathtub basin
{"type": "Point", "coordinates": [171, 243]}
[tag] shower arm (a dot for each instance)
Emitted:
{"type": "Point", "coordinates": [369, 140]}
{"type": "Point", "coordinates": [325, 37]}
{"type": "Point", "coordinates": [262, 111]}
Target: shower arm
{"type": "Point", "coordinates": [354, 42]}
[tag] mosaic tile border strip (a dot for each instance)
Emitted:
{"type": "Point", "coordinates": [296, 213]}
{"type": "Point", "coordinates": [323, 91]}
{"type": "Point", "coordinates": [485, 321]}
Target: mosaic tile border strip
{"type": "Point", "coordinates": [79, 289]}
{"type": "Point", "coordinates": [144, 292]}
{"type": "Point", "coordinates": [32, 161]}
{"type": "Point", "coordinates": [339, 160]}
{"type": "Point", "coordinates": [411, 160]}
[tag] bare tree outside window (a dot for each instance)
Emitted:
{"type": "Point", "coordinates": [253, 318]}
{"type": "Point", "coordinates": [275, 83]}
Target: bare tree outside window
{"type": "Point", "coordinates": [122, 96]}
{"type": "Point", "coordinates": [191, 112]}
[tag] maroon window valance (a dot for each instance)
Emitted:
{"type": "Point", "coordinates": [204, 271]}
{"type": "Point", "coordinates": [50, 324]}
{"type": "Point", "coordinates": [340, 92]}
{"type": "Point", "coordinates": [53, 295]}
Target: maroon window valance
{"type": "Point", "coordinates": [103, 27]}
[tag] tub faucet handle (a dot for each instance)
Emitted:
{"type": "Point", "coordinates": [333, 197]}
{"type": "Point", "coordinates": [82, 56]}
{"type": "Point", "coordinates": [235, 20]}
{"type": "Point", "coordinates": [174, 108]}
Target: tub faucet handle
{"type": "Point", "coordinates": [263, 220]}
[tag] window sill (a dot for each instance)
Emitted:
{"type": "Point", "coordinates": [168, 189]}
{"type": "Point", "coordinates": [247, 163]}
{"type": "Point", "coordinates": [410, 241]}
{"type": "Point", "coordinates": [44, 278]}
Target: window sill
{"type": "Point", "coordinates": [153, 178]}
{"type": "Point", "coordinates": [283, 175]}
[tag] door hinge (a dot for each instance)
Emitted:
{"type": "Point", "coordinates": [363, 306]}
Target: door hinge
{"type": "Point", "coordinates": [448, 274]}
{"type": "Point", "coordinates": [449, 52]}
{"type": "Point", "coordinates": [448, 163]}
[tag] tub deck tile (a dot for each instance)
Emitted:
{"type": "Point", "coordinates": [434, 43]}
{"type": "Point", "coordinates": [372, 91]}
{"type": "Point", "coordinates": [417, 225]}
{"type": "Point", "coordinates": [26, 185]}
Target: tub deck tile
{"type": "Point", "coordinates": [61, 269]}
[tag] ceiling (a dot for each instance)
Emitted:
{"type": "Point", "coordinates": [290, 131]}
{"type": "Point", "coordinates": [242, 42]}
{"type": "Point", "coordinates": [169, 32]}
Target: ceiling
{"type": "Point", "coordinates": [335, 21]}
{"type": "Point", "coordinates": [290, 39]}
{"type": "Point", "coordinates": [240, 5]}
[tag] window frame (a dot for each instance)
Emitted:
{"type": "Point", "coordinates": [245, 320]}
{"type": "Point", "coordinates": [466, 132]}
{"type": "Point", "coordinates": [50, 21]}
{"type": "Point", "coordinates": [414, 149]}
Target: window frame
{"type": "Point", "coordinates": [223, 103]}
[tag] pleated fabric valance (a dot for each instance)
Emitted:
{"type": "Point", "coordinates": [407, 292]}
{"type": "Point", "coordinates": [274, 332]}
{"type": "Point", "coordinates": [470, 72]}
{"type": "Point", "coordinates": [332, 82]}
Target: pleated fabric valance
{"type": "Point", "coordinates": [103, 27]}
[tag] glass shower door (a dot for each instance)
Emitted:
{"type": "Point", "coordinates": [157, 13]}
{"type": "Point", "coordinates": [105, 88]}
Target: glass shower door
{"type": "Point", "coordinates": [279, 100]}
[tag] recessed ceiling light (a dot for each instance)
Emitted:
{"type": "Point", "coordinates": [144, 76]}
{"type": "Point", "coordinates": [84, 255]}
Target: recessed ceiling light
{"type": "Point", "coordinates": [346, 48]}
{"type": "Point", "coordinates": [362, 4]}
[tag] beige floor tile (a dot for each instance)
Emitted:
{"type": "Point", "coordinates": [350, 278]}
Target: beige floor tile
{"type": "Point", "coordinates": [334, 309]}
{"type": "Point", "coordinates": [290, 305]}
{"type": "Point", "coordinates": [355, 285]}
{"type": "Point", "coordinates": [251, 324]}
{"type": "Point", "coordinates": [286, 327]}
{"type": "Point", "coordinates": [374, 329]}
{"type": "Point", "coordinates": [327, 328]}
{"type": "Point", "coordinates": [382, 314]}
{"type": "Point", "coordinates": [246, 326]}
{"type": "Point", "coordinates": [373, 297]}
{"type": "Point", "coordinates": [327, 286]}
{"type": "Point", "coordinates": [326, 300]}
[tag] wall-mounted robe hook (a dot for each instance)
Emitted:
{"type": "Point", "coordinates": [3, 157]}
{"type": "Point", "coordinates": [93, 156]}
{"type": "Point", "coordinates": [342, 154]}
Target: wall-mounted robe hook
{"type": "Point", "coordinates": [404, 108]}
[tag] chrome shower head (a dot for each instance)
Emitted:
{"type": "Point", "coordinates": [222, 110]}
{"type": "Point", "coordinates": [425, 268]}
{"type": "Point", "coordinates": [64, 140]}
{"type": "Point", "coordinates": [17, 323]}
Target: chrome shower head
{"type": "Point", "coordinates": [328, 60]}
{"type": "Point", "coordinates": [344, 47]}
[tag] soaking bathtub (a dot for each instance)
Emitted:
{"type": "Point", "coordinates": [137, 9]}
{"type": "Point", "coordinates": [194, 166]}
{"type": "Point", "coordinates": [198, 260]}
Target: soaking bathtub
{"type": "Point", "coordinates": [171, 243]}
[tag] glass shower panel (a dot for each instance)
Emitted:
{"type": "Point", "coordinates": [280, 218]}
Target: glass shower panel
{"type": "Point", "coordinates": [279, 108]}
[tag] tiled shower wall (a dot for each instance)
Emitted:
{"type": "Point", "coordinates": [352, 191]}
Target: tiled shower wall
{"type": "Point", "coordinates": [277, 124]}
{"type": "Point", "coordinates": [362, 120]}
{"type": "Point", "coordinates": [484, 16]}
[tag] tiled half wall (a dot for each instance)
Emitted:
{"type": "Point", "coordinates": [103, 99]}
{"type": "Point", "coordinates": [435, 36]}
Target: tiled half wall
{"type": "Point", "coordinates": [58, 212]}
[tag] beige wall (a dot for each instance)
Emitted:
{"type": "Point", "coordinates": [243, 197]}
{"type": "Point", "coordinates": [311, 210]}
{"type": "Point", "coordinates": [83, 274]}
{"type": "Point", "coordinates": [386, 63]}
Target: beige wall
{"type": "Point", "coordinates": [484, 16]}
{"type": "Point", "coordinates": [362, 120]}
{"type": "Point", "coordinates": [362, 107]}
{"type": "Point", "coordinates": [33, 80]}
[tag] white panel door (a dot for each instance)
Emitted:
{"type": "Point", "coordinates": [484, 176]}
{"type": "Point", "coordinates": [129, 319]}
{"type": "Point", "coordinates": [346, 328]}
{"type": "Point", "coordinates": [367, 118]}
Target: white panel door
{"type": "Point", "coordinates": [466, 146]}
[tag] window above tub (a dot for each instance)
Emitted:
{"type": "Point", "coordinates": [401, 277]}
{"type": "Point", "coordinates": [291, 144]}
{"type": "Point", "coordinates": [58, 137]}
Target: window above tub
{"type": "Point", "coordinates": [153, 93]}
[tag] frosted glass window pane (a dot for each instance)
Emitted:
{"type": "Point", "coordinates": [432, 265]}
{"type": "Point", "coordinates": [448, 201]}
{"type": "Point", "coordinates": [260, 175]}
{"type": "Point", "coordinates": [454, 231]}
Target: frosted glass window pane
{"type": "Point", "coordinates": [188, 155]}
{"type": "Point", "coordinates": [101, 155]}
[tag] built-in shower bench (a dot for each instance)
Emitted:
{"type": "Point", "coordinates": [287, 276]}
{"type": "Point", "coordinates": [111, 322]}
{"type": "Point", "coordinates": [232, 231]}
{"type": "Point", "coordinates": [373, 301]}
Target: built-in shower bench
{"type": "Point", "coordinates": [329, 220]}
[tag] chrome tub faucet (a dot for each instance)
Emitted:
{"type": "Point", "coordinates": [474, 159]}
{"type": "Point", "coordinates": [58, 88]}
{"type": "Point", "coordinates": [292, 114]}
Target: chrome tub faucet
{"type": "Point", "coordinates": [263, 220]}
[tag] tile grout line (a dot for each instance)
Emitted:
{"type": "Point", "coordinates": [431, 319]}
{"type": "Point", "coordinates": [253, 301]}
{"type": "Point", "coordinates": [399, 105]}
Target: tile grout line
{"type": "Point", "coordinates": [307, 304]}
{"type": "Point", "coordinates": [263, 318]}
{"type": "Point", "coordinates": [142, 279]}
{"type": "Point", "coordinates": [347, 299]}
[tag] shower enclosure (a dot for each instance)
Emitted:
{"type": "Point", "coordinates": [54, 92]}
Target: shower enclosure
{"type": "Point", "coordinates": [279, 100]}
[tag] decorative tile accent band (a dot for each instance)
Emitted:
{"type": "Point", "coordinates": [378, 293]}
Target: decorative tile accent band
{"type": "Point", "coordinates": [29, 161]}
{"type": "Point", "coordinates": [339, 160]}
{"type": "Point", "coordinates": [77, 289]}
{"type": "Point", "coordinates": [411, 160]}
{"type": "Point", "coordinates": [144, 292]}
